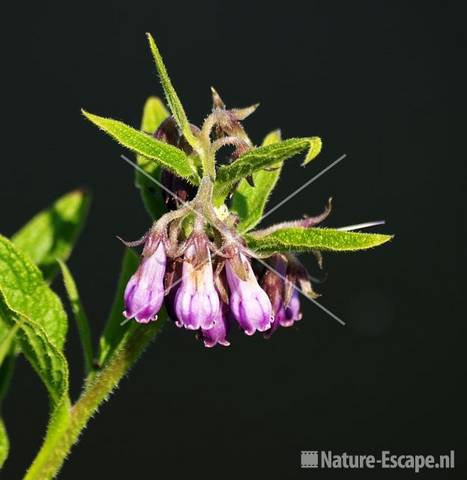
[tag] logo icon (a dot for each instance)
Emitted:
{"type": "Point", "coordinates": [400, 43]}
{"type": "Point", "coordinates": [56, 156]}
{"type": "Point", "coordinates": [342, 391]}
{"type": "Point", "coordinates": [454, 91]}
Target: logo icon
{"type": "Point", "coordinates": [309, 459]}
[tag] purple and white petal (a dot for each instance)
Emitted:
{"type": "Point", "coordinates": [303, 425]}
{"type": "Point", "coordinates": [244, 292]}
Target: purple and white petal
{"type": "Point", "coordinates": [144, 292]}
{"type": "Point", "coordinates": [249, 303]}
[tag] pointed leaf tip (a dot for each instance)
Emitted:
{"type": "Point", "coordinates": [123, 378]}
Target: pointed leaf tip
{"type": "Point", "coordinates": [171, 96]}
{"type": "Point", "coordinates": [315, 147]}
{"type": "Point", "coordinates": [307, 239]}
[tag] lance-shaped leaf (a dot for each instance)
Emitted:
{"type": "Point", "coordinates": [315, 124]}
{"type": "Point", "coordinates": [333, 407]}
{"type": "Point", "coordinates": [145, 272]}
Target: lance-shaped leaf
{"type": "Point", "coordinates": [260, 158]}
{"type": "Point", "coordinates": [171, 95]}
{"type": "Point", "coordinates": [26, 292]}
{"type": "Point", "coordinates": [249, 201]}
{"type": "Point", "coordinates": [308, 239]}
{"type": "Point", "coordinates": [114, 331]}
{"type": "Point", "coordinates": [170, 157]}
{"type": "Point", "coordinates": [154, 113]}
{"type": "Point", "coordinates": [81, 318]}
{"type": "Point", "coordinates": [52, 233]}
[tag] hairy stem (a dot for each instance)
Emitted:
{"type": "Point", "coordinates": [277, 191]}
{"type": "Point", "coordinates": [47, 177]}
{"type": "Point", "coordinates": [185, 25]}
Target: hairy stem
{"type": "Point", "coordinates": [60, 440]}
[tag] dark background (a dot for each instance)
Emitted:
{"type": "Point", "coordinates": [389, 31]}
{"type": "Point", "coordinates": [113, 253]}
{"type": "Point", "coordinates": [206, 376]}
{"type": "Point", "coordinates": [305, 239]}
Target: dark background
{"type": "Point", "coordinates": [373, 79]}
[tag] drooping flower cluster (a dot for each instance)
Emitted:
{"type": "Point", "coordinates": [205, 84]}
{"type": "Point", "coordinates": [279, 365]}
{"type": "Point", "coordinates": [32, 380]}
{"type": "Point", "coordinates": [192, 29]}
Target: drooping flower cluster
{"type": "Point", "coordinates": [204, 257]}
{"type": "Point", "coordinates": [206, 277]}
{"type": "Point", "coordinates": [209, 295]}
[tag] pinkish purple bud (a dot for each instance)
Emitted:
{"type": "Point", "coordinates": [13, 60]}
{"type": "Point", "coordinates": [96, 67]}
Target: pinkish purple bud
{"type": "Point", "coordinates": [144, 292]}
{"type": "Point", "coordinates": [283, 294]}
{"type": "Point", "coordinates": [249, 303]}
{"type": "Point", "coordinates": [217, 335]}
{"type": "Point", "coordinates": [197, 303]}
{"type": "Point", "coordinates": [292, 310]}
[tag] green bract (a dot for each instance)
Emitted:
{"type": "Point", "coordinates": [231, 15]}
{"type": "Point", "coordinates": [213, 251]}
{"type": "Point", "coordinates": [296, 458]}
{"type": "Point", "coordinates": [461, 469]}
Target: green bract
{"type": "Point", "coordinates": [309, 239]}
{"type": "Point", "coordinates": [248, 201]}
{"type": "Point", "coordinates": [168, 156]}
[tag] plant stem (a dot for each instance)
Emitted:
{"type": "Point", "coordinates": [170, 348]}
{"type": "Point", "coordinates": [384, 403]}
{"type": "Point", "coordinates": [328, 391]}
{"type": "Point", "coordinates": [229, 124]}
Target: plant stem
{"type": "Point", "coordinates": [59, 441]}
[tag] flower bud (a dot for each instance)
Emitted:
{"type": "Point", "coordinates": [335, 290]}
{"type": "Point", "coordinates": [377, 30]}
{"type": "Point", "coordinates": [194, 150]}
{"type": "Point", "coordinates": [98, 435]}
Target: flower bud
{"type": "Point", "coordinates": [218, 333]}
{"type": "Point", "coordinates": [144, 292]}
{"type": "Point", "coordinates": [197, 303]}
{"type": "Point", "coordinates": [168, 132]}
{"type": "Point", "coordinates": [292, 310]}
{"type": "Point", "coordinates": [273, 285]}
{"type": "Point", "coordinates": [172, 282]}
{"type": "Point", "coordinates": [249, 303]}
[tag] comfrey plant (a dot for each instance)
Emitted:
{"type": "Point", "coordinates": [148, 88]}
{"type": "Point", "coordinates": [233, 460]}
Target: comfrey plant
{"type": "Point", "coordinates": [202, 263]}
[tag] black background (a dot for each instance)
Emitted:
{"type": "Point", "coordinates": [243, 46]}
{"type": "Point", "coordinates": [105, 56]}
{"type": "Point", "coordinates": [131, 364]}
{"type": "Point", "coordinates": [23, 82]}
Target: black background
{"type": "Point", "coordinates": [373, 79]}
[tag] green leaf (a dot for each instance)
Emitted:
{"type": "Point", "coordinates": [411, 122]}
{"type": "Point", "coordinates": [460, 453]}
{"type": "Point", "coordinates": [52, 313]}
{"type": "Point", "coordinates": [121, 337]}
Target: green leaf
{"type": "Point", "coordinates": [249, 201]}
{"type": "Point", "coordinates": [7, 363]}
{"type": "Point", "coordinates": [7, 342]}
{"type": "Point", "coordinates": [25, 291]}
{"type": "Point", "coordinates": [48, 360]}
{"type": "Point", "coordinates": [171, 95]}
{"type": "Point", "coordinates": [260, 158]}
{"type": "Point", "coordinates": [52, 233]}
{"type": "Point", "coordinates": [82, 323]}
{"type": "Point", "coordinates": [308, 239]}
{"type": "Point", "coordinates": [154, 114]}
{"type": "Point", "coordinates": [114, 331]}
{"type": "Point", "coordinates": [6, 371]}
{"type": "Point", "coordinates": [168, 156]}
{"type": "Point", "coordinates": [4, 443]}
{"type": "Point", "coordinates": [49, 363]}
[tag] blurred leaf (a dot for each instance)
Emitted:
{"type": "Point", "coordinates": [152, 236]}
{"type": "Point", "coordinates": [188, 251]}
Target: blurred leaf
{"type": "Point", "coordinates": [52, 233]}
{"type": "Point", "coordinates": [168, 156]}
{"type": "Point", "coordinates": [308, 239]}
{"type": "Point", "coordinates": [114, 330]}
{"type": "Point", "coordinates": [6, 371]}
{"type": "Point", "coordinates": [80, 317]}
{"type": "Point", "coordinates": [7, 341]}
{"type": "Point", "coordinates": [249, 201]}
{"type": "Point", "coordinates": [262, 157]}
{"type": "Point", "coordinates": [154, 114]}
{"type": "Point", "coordinates": [171, 95]}
{"type": "Point", "coordinates": [25, 291]}
{"type": "Point", "coordinates": [7, 363]}
{"type": "Point", "coordinates": [4, 443]}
